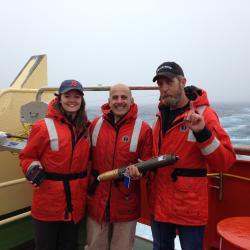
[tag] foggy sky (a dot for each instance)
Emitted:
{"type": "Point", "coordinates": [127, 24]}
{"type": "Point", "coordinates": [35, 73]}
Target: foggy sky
{"type": "Point", "coordinates": [111, 41]}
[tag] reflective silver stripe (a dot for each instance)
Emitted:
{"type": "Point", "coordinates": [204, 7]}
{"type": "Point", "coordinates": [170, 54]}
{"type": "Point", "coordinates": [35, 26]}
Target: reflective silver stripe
{"type": "Point", "coordinates": [211, 148]}
{"type": "Point", "coordinates": [135, 135]}
{"type": "Point", "coordinates": [52, 134]}
{"type": "Point", "coordinates": [154, 123]}
{"type": "Point", "coordinates": [191, 136]}
{"type": "Point", "coordinates": [96, 131]}
{"type": "Point", "coordinates": [201, 109]}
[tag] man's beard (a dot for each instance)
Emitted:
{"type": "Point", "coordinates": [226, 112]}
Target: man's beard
{"type": "Point", "coordinates": [173, 100]}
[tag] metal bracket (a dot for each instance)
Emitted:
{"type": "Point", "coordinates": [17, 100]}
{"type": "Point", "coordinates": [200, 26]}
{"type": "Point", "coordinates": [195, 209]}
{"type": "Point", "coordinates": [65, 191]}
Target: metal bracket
{"type": "Point", "coordinates": [33, 111]}
{"type": "Point", "coordinates": [219, 184]}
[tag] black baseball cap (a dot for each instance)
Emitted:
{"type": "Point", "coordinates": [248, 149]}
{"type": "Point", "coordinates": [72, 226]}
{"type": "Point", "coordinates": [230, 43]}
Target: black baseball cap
{"type": "Point", "coordinates": [68, 85]}
{"type": "Point", "coordinates": [169, 70]}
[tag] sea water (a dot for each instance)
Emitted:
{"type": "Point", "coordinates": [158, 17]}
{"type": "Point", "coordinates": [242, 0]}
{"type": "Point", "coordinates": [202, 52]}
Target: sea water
{"type": "Point", "coordinates": [234, 118]}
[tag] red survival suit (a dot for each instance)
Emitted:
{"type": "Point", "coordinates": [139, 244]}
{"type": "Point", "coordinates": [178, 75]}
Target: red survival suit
{"type": "Point", "coordinates": [69, 158]}
{"type": "Point", "coordinates": [114, 146]}
{"type": "Point", "coordinates": [176, 196]}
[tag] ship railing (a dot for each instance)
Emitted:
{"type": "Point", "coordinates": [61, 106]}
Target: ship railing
{"type": "Point", "coordinates": [240, 150]}
{"type": "Point", "coordinates": [94, 88]}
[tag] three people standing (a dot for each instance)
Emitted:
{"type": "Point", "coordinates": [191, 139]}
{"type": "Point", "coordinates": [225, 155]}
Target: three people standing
{"type": "Point", "coordinates": [57, 154]}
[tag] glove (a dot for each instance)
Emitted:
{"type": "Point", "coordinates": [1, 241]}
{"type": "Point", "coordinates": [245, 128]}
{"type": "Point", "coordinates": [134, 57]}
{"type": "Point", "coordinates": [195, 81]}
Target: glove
{"type": "Point", "coordinates": [192, 92]}
{"type": "Point", "coordinates": [35, 174]}
{"type": "Point", "coordinates": [3, 137]}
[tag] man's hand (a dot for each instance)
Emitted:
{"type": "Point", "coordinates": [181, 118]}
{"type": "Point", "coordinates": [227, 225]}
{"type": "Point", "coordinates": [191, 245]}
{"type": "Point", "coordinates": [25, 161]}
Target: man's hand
{"type": "Point", "coordinates": [194, 120]}
{"type": "Point", "coordinates": [133, 172]}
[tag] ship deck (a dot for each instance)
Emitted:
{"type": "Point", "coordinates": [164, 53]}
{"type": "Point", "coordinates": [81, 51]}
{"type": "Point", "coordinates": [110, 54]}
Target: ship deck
{"type": "Point", "coordinates": [18, 236]}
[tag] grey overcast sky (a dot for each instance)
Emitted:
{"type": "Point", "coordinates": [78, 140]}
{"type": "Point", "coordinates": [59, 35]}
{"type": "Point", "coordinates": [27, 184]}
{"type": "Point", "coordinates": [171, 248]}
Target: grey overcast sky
{"type": "Point", "coordinates": [110, 41]}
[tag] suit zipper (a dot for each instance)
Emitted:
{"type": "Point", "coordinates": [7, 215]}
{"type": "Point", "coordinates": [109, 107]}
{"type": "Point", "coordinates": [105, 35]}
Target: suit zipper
{"type": "Point", "coordinates": [111, 182]}
{"type": "Point", "coordinates": [73, 144]}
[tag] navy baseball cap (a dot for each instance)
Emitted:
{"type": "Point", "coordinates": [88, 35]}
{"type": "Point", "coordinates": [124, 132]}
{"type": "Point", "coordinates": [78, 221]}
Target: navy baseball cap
{"type": "Point", "coordinates": [68, 85]}
{"type": "Point", "coordinates": [169, 70]}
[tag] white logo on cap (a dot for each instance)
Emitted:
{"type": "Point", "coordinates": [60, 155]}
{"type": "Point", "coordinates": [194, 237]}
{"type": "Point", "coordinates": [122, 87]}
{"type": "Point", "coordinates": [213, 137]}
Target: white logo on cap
{"type": "Point", "coordinates": [164, 67]}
